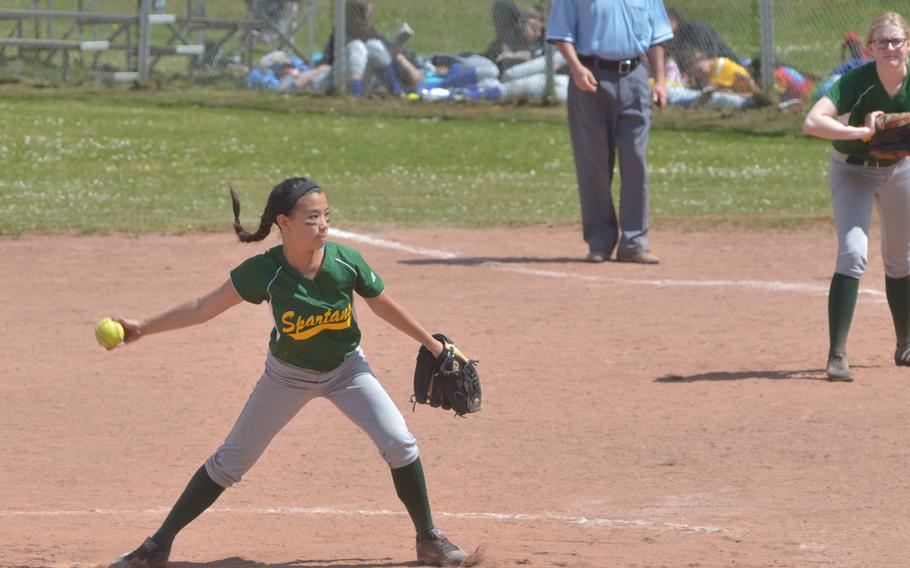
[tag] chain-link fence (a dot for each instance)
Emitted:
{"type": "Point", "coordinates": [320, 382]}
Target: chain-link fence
{"type": "Point", "coordinates": [809, 40]}
{"type": "Point", "coordinates": [427, 48]}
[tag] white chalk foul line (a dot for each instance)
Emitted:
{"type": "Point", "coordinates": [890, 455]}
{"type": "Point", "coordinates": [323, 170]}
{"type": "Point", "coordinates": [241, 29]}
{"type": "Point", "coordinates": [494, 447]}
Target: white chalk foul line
{"type": "Point", "coordinates": [366, 239]}
{"type": "Point", "coordinates": [876, 296]}
{"type": "Point", "coordinates": [332, 511]}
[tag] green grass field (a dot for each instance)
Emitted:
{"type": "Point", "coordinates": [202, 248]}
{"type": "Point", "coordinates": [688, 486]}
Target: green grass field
{"type": "Point", "coordinates": [90, 161]}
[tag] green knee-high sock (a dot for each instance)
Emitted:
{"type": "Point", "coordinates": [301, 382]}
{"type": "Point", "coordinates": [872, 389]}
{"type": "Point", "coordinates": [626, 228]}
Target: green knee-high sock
{"type": "Point", "coordinates": [841, 301]}
{"type": "Point", "coordinates": [411, 487]}
{"type": "Point", "coordinates": [198, 496]}
{"type": "Point", "coordinates": [898, 292]}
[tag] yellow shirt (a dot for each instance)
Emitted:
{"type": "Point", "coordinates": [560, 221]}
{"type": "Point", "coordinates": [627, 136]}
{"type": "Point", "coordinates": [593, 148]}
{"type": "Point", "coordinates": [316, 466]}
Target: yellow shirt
{"type": "Point", "coordinates": [728, 74]}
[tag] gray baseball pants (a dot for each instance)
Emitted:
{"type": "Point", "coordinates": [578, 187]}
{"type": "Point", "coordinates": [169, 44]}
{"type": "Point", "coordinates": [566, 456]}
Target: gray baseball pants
{"type": "Point", "coordinates": [854, 190]}
{"type": "Point", "coordinates": [284, 389]}
{"type": "Point", "coordinates": [614, 121]}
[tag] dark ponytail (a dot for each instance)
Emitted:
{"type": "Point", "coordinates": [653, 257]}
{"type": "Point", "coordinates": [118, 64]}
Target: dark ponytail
{"type": "Point", "coordinates": [281, 201]}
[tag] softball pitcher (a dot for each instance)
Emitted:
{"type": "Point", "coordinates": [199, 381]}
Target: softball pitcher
{"type": "Point", "coordinates": [857, 180]}
{"type": "Point", "coordinates": [309, 284]}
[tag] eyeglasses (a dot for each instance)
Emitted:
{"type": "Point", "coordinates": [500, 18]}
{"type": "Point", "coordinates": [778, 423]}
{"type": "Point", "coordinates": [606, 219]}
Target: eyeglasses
{"type": "Point", "coordinates": [895, 42]}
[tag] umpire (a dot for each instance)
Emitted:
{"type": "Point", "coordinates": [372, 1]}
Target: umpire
{"type": "Point", "coordinates": [609, 108]}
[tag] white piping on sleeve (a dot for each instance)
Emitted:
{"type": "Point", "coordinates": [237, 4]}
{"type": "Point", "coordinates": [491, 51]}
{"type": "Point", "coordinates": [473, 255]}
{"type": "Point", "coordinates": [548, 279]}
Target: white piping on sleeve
{"type": "Point", "coordinates": [348, 266]}
{"type": "Point", "coordinates": [861, 95]}
{"type": "Point", "coordinates": [268, 290]}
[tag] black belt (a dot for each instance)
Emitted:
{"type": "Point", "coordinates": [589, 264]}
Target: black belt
{"type": "Point", "coordinates": [871, 162]}
{"type": "Point", "coordinates": [624, 67]}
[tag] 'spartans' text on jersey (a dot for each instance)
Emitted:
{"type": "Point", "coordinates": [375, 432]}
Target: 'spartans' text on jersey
{"type": "Point", "coordinates": [301, 327]}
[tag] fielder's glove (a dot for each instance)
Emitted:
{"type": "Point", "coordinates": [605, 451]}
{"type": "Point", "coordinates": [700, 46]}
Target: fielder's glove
{"type": "Point", "coordinates": [891, 140]}
{"type": "Point", "coordinates": [449, 381]}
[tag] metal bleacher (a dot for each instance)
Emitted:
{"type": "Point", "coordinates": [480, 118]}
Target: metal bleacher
{"type": "Point", "coordinates": [76, 39]}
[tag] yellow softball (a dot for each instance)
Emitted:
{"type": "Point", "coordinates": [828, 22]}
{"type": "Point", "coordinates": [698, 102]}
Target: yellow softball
{"type": "Point", "coordinates": [109, 333]}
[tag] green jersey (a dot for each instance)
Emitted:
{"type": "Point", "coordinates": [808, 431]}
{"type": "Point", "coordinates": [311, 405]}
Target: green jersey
{"type": "Point", "coordinates": [315, 326]}
{"type": "Point", "coordinates": [860, 92]}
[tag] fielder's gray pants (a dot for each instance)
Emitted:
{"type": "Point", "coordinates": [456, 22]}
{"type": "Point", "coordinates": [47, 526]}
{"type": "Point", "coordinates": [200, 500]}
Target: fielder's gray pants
{"type": "Point", "coordinates": [284, 389]}
{"type": "Point", "coordinates": [612, 122]}
{"type": "Point", "coordinates": [854, 189]}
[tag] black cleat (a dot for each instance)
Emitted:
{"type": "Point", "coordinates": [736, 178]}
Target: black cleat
{"type": "Point", "coordinates": [148, 555]}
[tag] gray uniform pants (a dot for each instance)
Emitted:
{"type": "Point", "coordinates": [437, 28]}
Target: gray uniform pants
{"type": "Point", "coordinates": [854, 189]}
{"type": "Point", "coordinates": [613, 121]}
{"type": "Point", "coordinates": [284, 389]}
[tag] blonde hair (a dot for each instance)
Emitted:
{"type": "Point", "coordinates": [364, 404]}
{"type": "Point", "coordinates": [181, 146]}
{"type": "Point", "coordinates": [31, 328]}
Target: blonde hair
{"type": "Point", "coordinates": [887, 19]}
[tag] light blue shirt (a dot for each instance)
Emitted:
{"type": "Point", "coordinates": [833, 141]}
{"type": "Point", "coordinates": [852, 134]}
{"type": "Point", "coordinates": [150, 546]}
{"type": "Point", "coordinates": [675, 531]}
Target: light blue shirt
{"type": "Point", "coordinates": [609, 29]}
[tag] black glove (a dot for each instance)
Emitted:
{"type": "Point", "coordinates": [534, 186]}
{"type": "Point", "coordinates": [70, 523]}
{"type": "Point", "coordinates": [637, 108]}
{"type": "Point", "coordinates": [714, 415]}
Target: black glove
{"type": "Point", "coordinates": [449, 381]}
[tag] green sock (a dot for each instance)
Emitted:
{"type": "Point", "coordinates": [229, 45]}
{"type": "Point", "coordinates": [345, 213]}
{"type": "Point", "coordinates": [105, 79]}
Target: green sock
{"type": "Point", "coordinates": [898, 292]}
{"type": "Point", "coordinates": [411, 487]}
{"type": "Point", "coordinates": [198, 496]}
{"type": "Point", "coordinates": [841, 301]}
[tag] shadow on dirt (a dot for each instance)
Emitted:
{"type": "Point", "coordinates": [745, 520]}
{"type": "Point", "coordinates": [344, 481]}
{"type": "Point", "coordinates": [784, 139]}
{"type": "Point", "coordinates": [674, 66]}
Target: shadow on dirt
{"type": "Point", "coordinates": [236, 562]}
{"type": "Point", "coordinates": [799, 374]}
{"type": "Point", "coordinates": [478, 260]}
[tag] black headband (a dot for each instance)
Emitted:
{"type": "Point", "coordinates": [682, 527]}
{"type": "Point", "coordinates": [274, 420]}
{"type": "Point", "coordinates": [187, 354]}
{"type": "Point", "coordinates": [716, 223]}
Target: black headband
{"type": "Point", "coordinates": [300, 188]}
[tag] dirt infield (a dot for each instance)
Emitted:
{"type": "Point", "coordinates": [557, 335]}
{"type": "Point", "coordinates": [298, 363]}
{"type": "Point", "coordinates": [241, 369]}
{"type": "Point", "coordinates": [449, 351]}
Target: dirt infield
{"type": "Point", "coordinates": [672, 415]}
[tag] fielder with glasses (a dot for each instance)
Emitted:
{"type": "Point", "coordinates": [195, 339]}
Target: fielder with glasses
{"type": "Point", "coordinates": [846, 116]}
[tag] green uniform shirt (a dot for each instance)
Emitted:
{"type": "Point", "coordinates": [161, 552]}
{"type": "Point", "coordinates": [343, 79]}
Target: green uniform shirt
{"type": "Point", "coordinates": [860, 92]}
{"type": "Point", "coordinates": [315, 326]}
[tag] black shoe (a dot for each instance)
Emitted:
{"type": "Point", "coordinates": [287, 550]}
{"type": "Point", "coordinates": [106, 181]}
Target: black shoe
{"type": "Point", "coordinates": [149, 555]}
{"type": "Point", "coordinates": [902, 355]}
{"type": "Point", "coordinates": [434, 549]}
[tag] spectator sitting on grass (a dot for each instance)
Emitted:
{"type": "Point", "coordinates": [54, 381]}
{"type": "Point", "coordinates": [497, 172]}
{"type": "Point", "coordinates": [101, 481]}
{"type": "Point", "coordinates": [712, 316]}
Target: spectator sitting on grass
{"type": "Point", "coordinates": [680, 93]}
{"type": "Point", "coordinates": [512, 67]}
{"type": "Point", "coordinates": [278, 71]}
{"type": "Point", "coordinates": [723, 73]}
{"type": "Point", "coordinates": [464, 76]}
{"type": "Point", "coordinates": [367, 52]}
{"type": "Point", "coordinates": [519, 35]}
{"type": "Point", "coordinates": [523, 78]}
{"type": "Point", "coordinates": [691, 38]}
{"type": "Point", "coordinates": [406, 64]}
